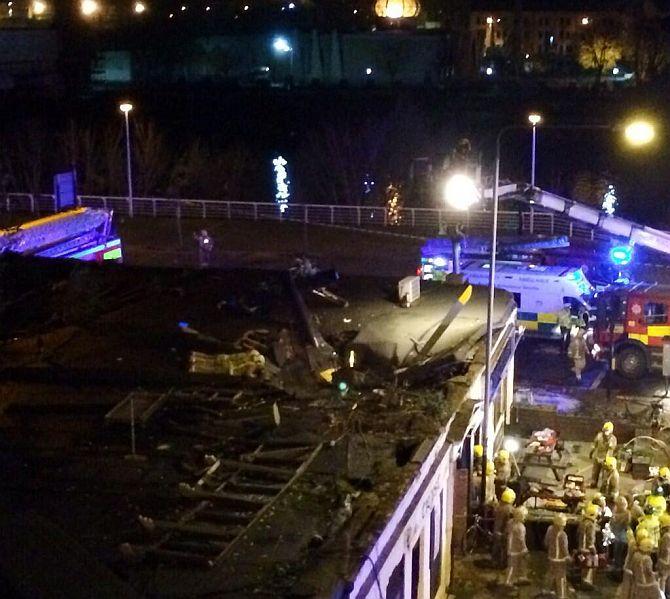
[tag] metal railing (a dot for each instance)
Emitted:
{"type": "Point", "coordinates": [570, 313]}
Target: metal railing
{"type": "Point", "coordinates": [417, 219]}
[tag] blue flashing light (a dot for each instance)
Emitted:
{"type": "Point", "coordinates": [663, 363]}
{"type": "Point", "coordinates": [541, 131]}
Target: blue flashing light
{"type": "Point", "coordinates": [183, 325]}
{"type": "Point", "coordinates": [621, 255]}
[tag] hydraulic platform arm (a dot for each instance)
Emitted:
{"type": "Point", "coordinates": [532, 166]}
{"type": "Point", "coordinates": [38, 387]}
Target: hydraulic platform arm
{"type": "Point", "coordinates": [620, 227]}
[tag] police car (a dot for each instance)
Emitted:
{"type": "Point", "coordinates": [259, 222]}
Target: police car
{"type": "Point", "coordinates": [540, 291]}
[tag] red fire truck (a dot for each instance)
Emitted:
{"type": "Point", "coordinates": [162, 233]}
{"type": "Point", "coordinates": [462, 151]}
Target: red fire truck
{"type": "Point", "coordinates": [631, 322]}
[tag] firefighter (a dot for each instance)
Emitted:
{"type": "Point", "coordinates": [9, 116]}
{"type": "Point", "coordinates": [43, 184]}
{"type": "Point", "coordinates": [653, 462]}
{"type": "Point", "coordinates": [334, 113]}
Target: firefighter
{"type": "Point", "coordinates": [577, 351]}
{"type": "Point", "coordinates": [501, 516]}
{"type": "Point", "coordinates": [663, 562]}
{"type": "Point", "coordinates": [205, 247]}
{"type": "Point", "coordinates": [620, 524]}
{"type": "Point", "coordinates": [645, 585]}
{"type": "Point", "coordinates": [604, 445]}
{"type": "Point", "coordinates": [663, 480]}
{"type": "Point", "coordinates": [651, 524]}
{"type": "Point", "coordinates": [490, 498]}
{"type": "Point", "coordinates": [657, 502]}
{"type": "Point", "coordinates": [556, 543]}
{"type": "Point", "coordinates": [586, 549]}
{"type": "Point", "coordinates": [516, 548]}
{"type": "Point", "coordinates": [610, 485]}
{"type": "Point", "coordinates": [625, 590]}
{"type": "Point", "coordinates": [565, 322]}
{"type": "Point", "coordinates": [503, 471]}
{"type": "Point", "coordinates": [478, 451]}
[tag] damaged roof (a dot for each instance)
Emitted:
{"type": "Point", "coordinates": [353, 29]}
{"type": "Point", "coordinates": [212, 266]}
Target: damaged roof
{"type": "Point", "coordinates": [239, 486]}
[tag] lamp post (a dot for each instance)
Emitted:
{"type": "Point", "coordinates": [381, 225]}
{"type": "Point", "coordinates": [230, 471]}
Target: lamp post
{"type": "Point", "coordinates": [282, 45]}
{"type": "Point", "coordinates": [125, 108]}
{"type": "Point", "coordinates": [534, 120]}
{"type": "Point", "coordinates": [636, 133]}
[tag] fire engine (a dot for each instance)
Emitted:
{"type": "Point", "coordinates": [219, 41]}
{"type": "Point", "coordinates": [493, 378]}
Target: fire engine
{"type": "Point", "coordinates": [82, 234]}
{"type": "Point", "coordinates": [630, 324]}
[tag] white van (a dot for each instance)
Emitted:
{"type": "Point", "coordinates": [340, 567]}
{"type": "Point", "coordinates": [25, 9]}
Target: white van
{"type": "Point", "coordinates": [539, 291]}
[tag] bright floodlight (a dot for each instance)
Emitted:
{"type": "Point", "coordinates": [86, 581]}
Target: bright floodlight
{"type": "Point", "coordinates": [534, 118]}
{"type": "Point", "coordinates": [125, 107]}
{"type": "Point", "coordinates": [89, 7]}
{"type": "Point", "coordinates": [39, 7]}
{"type": "Point", "coordinates": [281, 45]}
{"type": "Point", "coordinates": [639, 133]}
{"type": "Point", "coordinates": [511, 444]}
{"type": "Point", "coordinates": [139, 7]}
{"type": "Point", "coordinates": [394, 10]}
{"type": "Point", "coordinates": [460, 192]}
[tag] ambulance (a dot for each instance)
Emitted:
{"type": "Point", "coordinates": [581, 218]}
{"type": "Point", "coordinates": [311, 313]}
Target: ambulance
{"type": "Point", "coordinates": [539, 291]}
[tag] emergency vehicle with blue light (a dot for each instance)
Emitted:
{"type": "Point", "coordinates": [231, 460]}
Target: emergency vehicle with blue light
{"type": "Point", "coordinates": [82, 234]}
{"type": "Point", "coordinates": [539, 291]}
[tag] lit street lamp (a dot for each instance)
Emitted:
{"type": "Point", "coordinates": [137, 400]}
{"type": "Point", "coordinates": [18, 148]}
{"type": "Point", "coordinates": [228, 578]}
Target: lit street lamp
{"type": "Point", "coordinates": [461, 192]}
{"type": "Point", "coordinates": [125, 108]}
{"type": "Point", "coordinates": [282, 46]}
{"type": "Point", "coordinates": [636, 133]}
{"type": "Point", "coordinates": [534, 120]}
{"type": "Point", "coordinates": [89, 8]}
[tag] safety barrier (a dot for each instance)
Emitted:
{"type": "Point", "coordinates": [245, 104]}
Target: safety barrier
{"type": "Point", "coordinates": [420, 219]}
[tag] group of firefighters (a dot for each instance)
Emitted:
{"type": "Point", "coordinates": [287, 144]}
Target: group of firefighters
{"type": "Point", "coordinates": [631, 533]}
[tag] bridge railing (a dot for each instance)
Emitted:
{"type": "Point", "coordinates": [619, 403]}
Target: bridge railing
{"type": "Point", "coordinates": [423, 220]}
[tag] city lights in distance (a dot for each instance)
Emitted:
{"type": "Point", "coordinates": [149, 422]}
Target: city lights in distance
{"type": "Point", "coordinates": [39, 7]}
{"type": "Point", "coordinates": [615, 71]}
{"type": "Point", "coordinates": [291, 5]}
{"type": "Point", "coordinates": [125, 107]}
{"type": "Point", "coordinates": [208, 8]}
{"type": "Point", "coordinates": [639, 133]}
{"type": "Point", "coordinates": [89, 8]}
{"type": "Point", "coordinates": [139, 8]}
{"type": "Point", "coordinates": [246, 7]}
{"type": "Point", "coordinates": [585, 21]}
{"type": "Point", "coordinates": [489, 71]}
{"type": "Point", "coordinates": [489, 20]}
{"type": "Point", "coordinates": [368, 71]}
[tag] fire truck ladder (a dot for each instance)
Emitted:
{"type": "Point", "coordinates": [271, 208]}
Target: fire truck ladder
{"type": "Point", "coordinates": [619, 227]}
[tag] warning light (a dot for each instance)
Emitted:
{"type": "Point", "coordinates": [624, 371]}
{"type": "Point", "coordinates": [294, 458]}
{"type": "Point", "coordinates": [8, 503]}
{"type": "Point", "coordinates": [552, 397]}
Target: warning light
{"type": "Point", "coordinates": [621, 255]}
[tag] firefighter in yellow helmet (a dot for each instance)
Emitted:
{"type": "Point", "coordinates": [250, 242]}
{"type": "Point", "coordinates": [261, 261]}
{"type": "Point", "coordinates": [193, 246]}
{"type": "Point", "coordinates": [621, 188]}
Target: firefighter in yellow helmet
{"type": "Point", "coordinates": [604, 445]}
{"type": "Point", "coordinates": [625, 590]}
{"type": "Point", "coordinates": [478, 453]}
{"type": "Point", "coordinates": [503, 466]}
{"type": "Point", "coordinates": [556, 543]}
{"type": "Point", "coordinates": [663, 480]}
{"type": "Point", "coordinates": [657, 502]}
{"type": "Point", "coordinates": [517, 550]}
{"type": "Point", "coordinates": [586, 539]}
{"type": "Point", "coordinates": [501, 516]}
{"type": "Point", "coordinates": [645, 585]}
{"type": "Point", "coordinates": [610, 485]}
{"type": "Point", "coordinates": [650, 522]}
{"type": "Point", "coordinates": [663, 561]}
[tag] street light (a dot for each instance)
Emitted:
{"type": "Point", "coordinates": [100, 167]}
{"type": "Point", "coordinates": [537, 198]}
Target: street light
{"type": "Point", "coordinates": [534, 120]}
{"type": "Point", "coordinates": [139, 8]}
{"type": "Point", "coordinates": [282, 45]}
{"type": "Point", "coordinates": [637, 133]}
{"type": "Point", "coordinates": [125, 108]}
{"type": "Point", "coordinates": [89, 8]}
{"type": "Point", "coordinates": [461, 192]}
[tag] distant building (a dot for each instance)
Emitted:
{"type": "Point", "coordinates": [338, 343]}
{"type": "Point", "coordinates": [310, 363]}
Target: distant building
{"type": "Point", "coordinates": [539, 29]}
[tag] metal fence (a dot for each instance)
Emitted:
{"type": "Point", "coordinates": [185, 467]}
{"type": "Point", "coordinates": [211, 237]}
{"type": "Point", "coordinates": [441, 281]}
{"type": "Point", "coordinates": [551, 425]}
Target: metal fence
{"type": "Point", "coordinates": [417, 219]}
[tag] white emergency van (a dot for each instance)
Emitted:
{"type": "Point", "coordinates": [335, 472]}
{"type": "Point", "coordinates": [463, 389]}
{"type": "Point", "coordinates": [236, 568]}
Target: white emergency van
{"type": "Point", "coordinates": [539, 291]}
